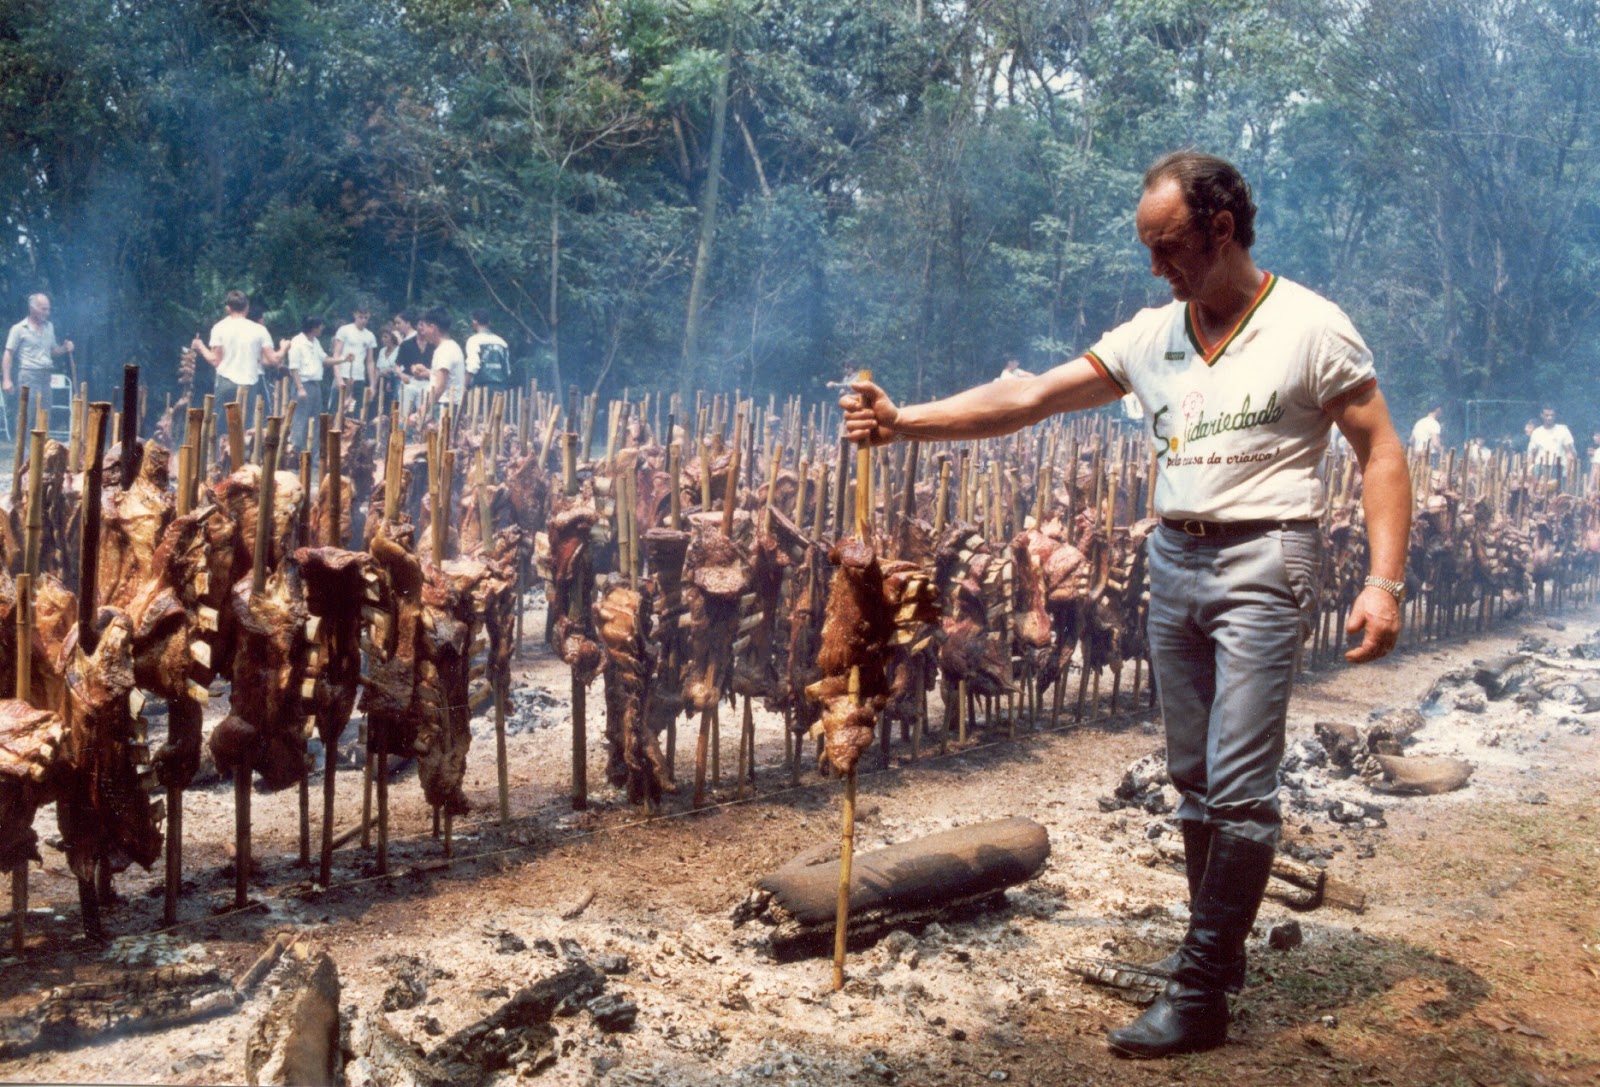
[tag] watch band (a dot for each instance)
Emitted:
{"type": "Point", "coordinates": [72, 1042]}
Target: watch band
{"type": "Point", "coordinates": [1396, 589]}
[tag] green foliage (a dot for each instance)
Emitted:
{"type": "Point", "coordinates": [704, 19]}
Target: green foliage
{"type": "Point", "coordinates": [921, 188]}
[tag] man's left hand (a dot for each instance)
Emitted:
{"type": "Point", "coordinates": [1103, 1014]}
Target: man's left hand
{"type": "Point", "coordinates": [1376, 616]}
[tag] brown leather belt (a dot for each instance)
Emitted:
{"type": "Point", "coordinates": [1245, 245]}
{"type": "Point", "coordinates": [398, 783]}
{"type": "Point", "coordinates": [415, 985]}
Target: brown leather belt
{"type": "Point", "coordinates": [1226, 530]}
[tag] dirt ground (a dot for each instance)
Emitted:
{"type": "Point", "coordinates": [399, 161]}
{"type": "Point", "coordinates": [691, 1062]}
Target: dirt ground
{"type": "Point", "coordinates": [1476, 960]}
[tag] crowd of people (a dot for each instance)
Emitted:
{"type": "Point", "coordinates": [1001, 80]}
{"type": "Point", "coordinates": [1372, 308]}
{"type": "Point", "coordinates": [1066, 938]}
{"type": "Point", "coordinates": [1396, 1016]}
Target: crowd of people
{"type": "Point", "coordinates": [413, 361]}
{"type": "Point", "coordinates": [1550, 445]}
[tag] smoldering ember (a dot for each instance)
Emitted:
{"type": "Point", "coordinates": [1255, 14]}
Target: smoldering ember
{"type": "Point", "coordinates": [495, 880]}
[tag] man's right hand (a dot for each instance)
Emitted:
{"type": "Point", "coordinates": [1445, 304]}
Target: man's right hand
{"type": "Point", "coordinates": [6, 385]}
{"type": "Point", "coordinates": [869, 415]}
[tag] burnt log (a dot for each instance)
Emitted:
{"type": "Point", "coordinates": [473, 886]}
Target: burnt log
{"type": "Point", "coordinates": [908, 884]}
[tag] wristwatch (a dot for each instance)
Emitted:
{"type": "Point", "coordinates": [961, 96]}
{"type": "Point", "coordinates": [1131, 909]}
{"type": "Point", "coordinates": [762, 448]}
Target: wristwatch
{"type": "Point", "coordinates": [1396, 589]}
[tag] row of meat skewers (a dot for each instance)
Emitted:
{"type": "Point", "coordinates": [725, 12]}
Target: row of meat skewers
{"type": "Point", "coordinates": [693, 564]}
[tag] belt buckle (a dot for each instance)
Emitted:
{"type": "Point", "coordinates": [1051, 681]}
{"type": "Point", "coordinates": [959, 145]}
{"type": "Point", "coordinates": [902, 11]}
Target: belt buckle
{"type": "Point", "coordinates": [1195, 528]}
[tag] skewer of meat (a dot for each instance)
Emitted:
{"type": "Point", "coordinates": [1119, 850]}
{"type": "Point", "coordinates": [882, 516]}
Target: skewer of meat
{"type": "Point", "coordinates": [856, 633]}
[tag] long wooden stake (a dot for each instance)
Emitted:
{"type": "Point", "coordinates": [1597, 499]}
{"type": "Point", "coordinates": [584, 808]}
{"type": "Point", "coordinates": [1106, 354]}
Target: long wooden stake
{"type": "Point", "coordinates": [19, 873]}
{"type": "Point", "coordinates": [243, 773]}
{"type": "Point", "coordinates": [847, 828]}
{"type": "Point", "coordinates": [847, 846]}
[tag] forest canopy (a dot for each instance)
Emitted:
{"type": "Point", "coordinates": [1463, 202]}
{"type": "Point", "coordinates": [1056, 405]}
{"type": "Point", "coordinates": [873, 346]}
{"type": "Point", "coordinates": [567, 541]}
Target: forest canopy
{"type": "Point", "coordinates": [681, 194]}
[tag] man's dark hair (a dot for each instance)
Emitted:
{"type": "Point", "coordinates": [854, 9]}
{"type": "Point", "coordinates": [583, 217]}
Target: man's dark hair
{"type": "Point", "coordinates": [1209, 185]}
{"type": "Point", "coordinates": [408, 316]}
{"type": "Point", "coordinates": [481, 317]}
{"type": "Point", "coordinates": [237, 302]}
{"type": "Point", "coordinates": [309, 325]}
{"type": "Point", "coordinates": [438, 317]}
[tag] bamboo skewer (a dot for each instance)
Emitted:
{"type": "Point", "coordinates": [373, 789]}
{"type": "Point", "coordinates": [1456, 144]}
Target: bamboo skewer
{"type": "Point", "coordinates": [19, 873]}
{"type": "Point", "coordinates": [258, 583]}
{"type": "Point", "coordinates": [847, 828]}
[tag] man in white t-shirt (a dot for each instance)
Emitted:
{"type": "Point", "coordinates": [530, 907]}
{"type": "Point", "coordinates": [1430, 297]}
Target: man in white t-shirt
{"type": "Point", "coordinates": [354, 349]}
{"type": "Point", "coordinates": [448, 372]}
{"type": "Point", "coordinates": [1550, 444]}
{"type": "Point", "coordinates": [1426, 433]}
{"type": "Point", "coordinates": [485, 345]}
{"type": "Point", "coordinates": [1241, 377]}
{"type": "Point", "coordinates": [239, 349]}
{"type": "Point", "coordinates": [1013, 370]}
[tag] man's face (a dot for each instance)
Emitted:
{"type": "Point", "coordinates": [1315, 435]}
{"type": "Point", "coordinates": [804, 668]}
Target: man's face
{"type": "Point", "coordinates": [39, 308]}
{"type": "Point", "coordinates": [1180, 252]}
{"type": "Point", "coordinates": [1548, 416]}
{"type": "Point", "coordinates": [428, 332]}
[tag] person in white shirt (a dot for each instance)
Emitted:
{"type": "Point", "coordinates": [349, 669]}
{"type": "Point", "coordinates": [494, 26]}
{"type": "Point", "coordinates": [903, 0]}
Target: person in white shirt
{"type": "Point", "coordinates": [308, 365]}
{"type": "Point", "coordinates": [1013, 370]}
{"type": "Point", "coordinates": [1426, 433]}
{"type": "Point", "coordinates": [1241, 375]}
{"type": "Point", "coordinates": [447, 377]}
{"type": "Point", "coordinates": [32, 344]}
{"type": "Point", "coordinates": [239, 348]}
{"type": "Point", "coordinates": [1550, 443]}
{"type": "Point", "coordinates": [485, 343]}
{"type": "Point", "coordinates": [356, 344]}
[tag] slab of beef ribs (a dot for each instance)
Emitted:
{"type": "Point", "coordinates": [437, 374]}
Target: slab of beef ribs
{"type": "Point", "coordinates": [238, 495]}
{"type": "Point", "coordinates": [570, 573]}
{"type": "Point", "coordinates": [856, 632]}
{"type": "Point", "coordinates": [622, 618]}
{"type": "Point", "coordinates": [265, 728]}
{"type": "Point", "coordinates": [30, 745]}
{"type": "Point", "coordinates": [102, 809]}
{"type": "Point", "coordinates": [443, 678]}
{"type": "Point", "coordinates": [132, 521]}
{"type": "Point", "coordinates": [975, 650]}
{"type": "Point", "coordinates": [665, 551]}
{"type": "Point", "coordinates": [755, 668]}
{"type": "Point", "coordinates": [390, 698]}
{"type": "Point", "coordinates": [805, 638]}
{"type": "Point", "coordinates": [716, 577]}
{"type": "Point", "coordinates": [175, 617]}
{"type": "Point", "coordinates": [338, 583]}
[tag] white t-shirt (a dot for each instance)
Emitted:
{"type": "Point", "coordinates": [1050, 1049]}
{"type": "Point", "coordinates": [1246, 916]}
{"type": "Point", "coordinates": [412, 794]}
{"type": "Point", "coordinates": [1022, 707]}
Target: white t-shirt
{"type": "Point", "coordinates": [1425, 434]}
{"type": "Point", "coordinates": [1240, 425]}
{"type": "Point", "coordinates": [386, 360]}
{"type": "Point", "coordinates": [447, 356]}
{"type": "Point", "coordinates": [242, 341]}
{"type": "Point", "coordinates": [307, 358]}
{"type": "Point", "coordinates": [355, 342]}
{"type": "Point", "coordinates": [1551, 444]}
{"type": "Point", "coordinates": [474, 342]}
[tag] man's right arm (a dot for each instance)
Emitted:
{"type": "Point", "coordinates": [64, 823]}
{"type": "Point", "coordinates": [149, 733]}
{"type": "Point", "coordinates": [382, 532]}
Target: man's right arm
{"type": "Point", "coordinates": [212, 353]}
{"type": "Point", "coordinates": [986, 411]}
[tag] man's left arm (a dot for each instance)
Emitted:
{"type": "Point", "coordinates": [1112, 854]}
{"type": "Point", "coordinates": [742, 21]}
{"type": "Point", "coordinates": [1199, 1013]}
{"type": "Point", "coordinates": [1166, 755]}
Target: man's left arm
{"type": "Point", "coordinates": [1386, 501]}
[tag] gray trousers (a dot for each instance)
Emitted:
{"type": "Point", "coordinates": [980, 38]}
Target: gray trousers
{"type": "Point", "coordinates": [1228, 620]}
{"type": "Point", "coordinates": [37, 382]}
{"type": "Point", "coordinates": [305, 414]}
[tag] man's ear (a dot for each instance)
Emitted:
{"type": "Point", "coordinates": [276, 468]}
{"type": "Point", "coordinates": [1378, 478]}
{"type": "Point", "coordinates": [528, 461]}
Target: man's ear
{"type": "Point", "coordinates": [1221, 228]}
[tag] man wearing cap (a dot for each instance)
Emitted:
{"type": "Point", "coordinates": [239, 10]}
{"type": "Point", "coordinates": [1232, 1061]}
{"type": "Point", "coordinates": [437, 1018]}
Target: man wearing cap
{"type": "Point", "coordinates": [1241, 376]}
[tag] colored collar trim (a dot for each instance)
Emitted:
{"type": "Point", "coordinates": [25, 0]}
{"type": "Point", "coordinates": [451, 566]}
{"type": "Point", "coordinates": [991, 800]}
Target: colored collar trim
{"type": "Point", "coordinates": [1213, 353]}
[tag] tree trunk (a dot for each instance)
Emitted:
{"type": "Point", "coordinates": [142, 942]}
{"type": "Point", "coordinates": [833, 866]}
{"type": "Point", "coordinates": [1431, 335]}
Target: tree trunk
{"type": "Point", "coordinates": [708, 215]}
{"type": "Point", "coordinates": [555, 290]}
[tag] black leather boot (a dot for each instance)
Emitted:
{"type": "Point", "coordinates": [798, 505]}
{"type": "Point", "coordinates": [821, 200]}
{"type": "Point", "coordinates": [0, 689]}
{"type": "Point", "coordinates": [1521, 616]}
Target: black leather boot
{"type": "Point", "coordinates": [1196, 850]}
{"type": "Point", "coordinates": [1192, 1014]}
